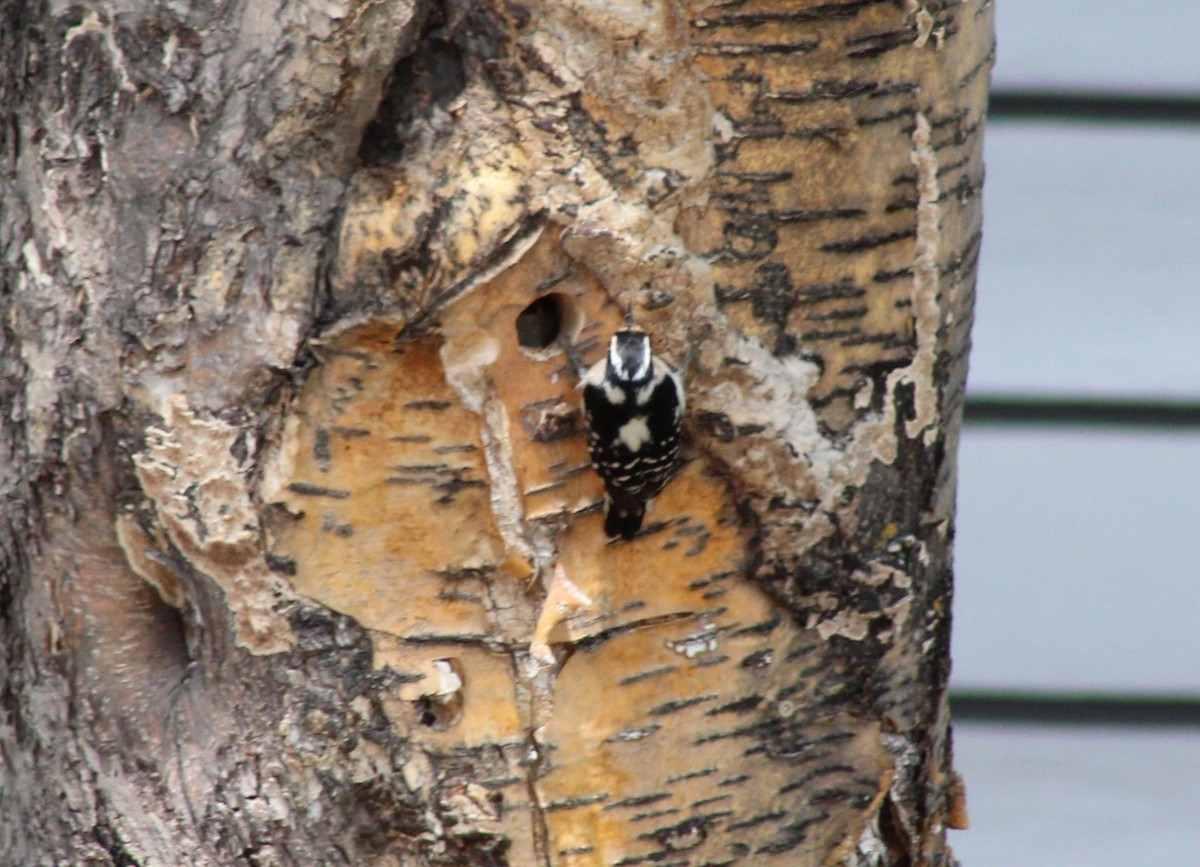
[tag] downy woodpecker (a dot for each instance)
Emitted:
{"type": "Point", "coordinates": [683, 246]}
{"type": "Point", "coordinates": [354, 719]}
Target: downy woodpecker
{"type": "Point", "coordinates": [633, 404]}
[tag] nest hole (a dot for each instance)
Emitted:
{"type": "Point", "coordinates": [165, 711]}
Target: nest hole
{"type": "Point", "coordinates": [546, 320]}
{"type": "Point", "coordinates": [443, 709]}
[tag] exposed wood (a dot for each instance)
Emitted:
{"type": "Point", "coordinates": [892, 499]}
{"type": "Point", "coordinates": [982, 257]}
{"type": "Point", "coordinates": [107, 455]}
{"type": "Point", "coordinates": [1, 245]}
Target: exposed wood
{"type": "Point", "coordinates": [303, 559]}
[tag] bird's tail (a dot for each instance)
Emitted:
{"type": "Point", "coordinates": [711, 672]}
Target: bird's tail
{"type": "Point", "coordinates": [624, 517]}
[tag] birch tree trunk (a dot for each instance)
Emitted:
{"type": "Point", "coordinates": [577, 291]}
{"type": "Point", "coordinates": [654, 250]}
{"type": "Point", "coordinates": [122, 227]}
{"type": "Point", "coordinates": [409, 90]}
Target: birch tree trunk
{"type": "Point", "coordinates": [301, 559]}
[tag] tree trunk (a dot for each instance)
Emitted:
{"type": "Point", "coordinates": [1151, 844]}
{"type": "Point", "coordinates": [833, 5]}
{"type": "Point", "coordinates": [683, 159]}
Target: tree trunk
{"type": "Point", "coordinates": [301, 559]}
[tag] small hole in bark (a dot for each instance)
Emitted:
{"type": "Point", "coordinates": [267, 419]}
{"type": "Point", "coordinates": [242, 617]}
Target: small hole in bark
{"type": "Point", "coordinates": [442, 709]}
{"type": "Point", "coordinates": [546, 320]}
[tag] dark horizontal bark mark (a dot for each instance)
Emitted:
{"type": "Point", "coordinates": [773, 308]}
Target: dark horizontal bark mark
{"type": "Point", "coordinates": [888, 340]}
{"type": "Point", "coordinates": [692, 775]}
{"type": "Point", "coordinates": [792, 835]}
{"type": "Point", "coordinates": [575, 803]}
{"type": "Point", "coordinates": [819, 292]}
{"type": "Point", "coordinates": [765, 627]}
{"type": "Point", "coordinates": [868, 242]}
{"type": "Point", "coordinates": [735, 780]}
{"type": "Point", "coordinates": [317, 490]}
{"type": "Point", "coordinates": [850, 313]}
{"type": "Point", "coordinates": [773, 177]}
{"type": "Point", "coordinates": [816, 774]}
{"type": "Point", "coordinates": [984, 65]}
{"type": "Point", "coordinates": [896, 114]}
{"type": "Point", "coordinates": [887, 276]}
{"type": "Point", "coordinates": [637, 801]}
{"type": "Point", "coordinates": [741, 705]}
{"type": "Point", "coordinates": [704, 802]}
{"type": "Point", "coordinates": [845, 89]}
{"type": "Point", "coordinates": [756, 820]}
{"type": "Point", "coordinates": [825, 12]}
{"type": "Point", "coordinates": [795, 215]}
{"type": "Point", "coordinates": [873, 45]}
{"type": "Point", "coordinates": [671, 707]}
{"type": "Point", "coordinates": [738, 49]}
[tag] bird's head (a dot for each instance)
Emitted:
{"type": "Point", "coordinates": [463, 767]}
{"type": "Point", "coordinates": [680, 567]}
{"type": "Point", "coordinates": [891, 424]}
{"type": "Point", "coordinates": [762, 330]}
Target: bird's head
{"type": "Point", "coordinates": [629, 357]}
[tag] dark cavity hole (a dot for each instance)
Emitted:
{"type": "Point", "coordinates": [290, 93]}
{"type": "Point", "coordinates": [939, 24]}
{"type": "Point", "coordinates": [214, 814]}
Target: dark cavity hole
{"type": "Point", "coordinates": [546, 320]}
{"type": "Point", "coordinates": [418, 92]}
{"type": "Point", "coordinates": [443, 710]}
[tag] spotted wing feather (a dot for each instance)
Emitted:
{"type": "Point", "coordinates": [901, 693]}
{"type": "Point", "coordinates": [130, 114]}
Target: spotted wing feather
{"type": "Point", "coordinates": [634, 445]}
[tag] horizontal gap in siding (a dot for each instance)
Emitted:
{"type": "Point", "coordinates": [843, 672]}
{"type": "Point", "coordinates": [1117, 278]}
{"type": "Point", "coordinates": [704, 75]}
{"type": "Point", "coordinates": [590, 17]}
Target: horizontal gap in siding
{"type": "Point", "coordinates": [1111, 412]}
{"type": "Point", "coordinates": [1075, 710]}
{"type": "Point", "coordinates": [1091, 105]}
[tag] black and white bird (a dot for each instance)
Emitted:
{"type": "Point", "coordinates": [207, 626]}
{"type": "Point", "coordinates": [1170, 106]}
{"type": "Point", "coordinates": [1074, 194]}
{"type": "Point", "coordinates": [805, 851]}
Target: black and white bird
{"type": "Point", "coordinates": [633, 404]}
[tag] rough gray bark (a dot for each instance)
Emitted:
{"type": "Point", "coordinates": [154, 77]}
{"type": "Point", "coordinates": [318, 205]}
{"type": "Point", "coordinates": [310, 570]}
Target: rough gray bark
{"type": "Point", "coordinates": [298, 564]}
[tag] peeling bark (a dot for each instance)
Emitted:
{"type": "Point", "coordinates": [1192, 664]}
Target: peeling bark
{"type": "Point", "coordinates": [301, 559]}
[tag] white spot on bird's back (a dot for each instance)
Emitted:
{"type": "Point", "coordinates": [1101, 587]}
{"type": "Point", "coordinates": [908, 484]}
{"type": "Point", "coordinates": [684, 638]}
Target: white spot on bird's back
{"type": "Point", "coordinates": [595, 376]}
{"type": "Point", "coordinates": [646, 391]}
{"type": "Point", "coordinates": [634, 433]}
{"type": "Point", "coordinates": [615, 396]}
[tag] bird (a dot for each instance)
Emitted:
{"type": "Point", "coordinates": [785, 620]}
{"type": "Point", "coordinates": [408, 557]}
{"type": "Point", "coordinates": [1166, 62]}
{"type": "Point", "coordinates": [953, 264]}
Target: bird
{"type": "Point", "coordinates": [633, 410]}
